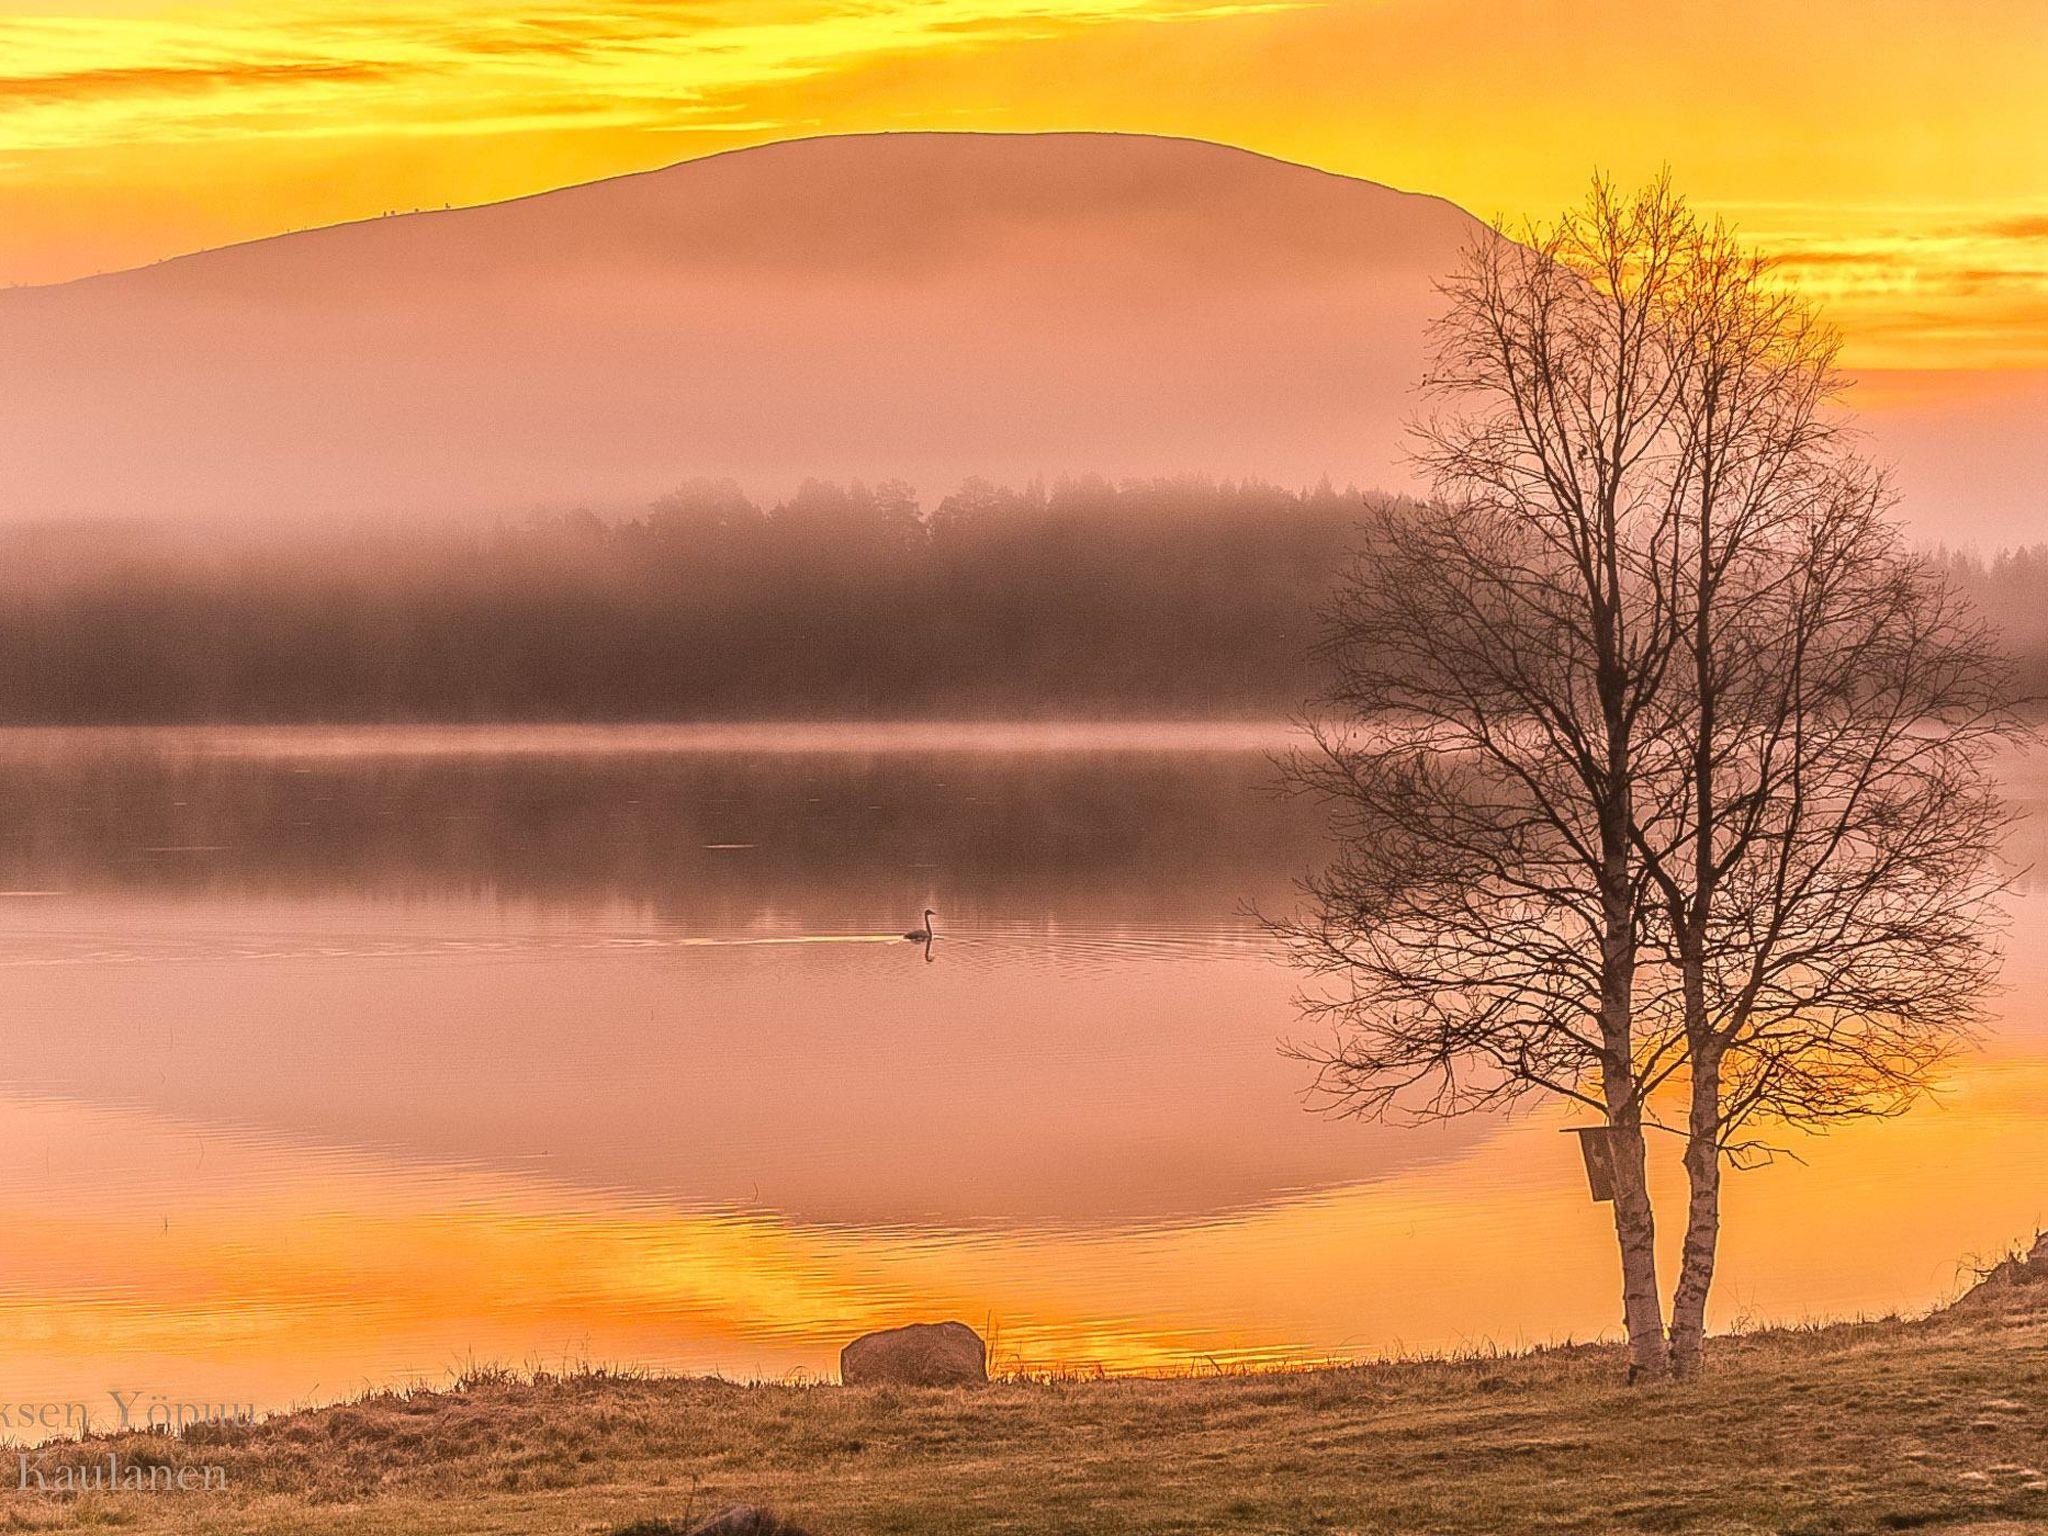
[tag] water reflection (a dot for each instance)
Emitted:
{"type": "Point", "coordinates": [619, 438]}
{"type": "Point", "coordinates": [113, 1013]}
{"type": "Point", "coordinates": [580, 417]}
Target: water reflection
{"type": "Point", "coordinates": [334, 1058]}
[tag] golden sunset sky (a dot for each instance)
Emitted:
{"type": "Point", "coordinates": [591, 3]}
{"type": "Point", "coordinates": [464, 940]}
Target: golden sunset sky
{"type": "Point", "coordinates": [1895, 151]}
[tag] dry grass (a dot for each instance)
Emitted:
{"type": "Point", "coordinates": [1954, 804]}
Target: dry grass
{"type": "Point", "coordinates": [1855, 1427]}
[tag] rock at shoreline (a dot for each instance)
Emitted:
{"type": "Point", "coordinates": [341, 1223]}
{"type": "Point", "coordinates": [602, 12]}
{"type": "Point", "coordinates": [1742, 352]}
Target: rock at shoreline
{"type": "Point", "coordinates": [921, 1355]}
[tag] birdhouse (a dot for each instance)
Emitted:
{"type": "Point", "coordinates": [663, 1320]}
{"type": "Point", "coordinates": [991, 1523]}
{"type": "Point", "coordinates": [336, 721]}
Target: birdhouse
{"type": "Point", "coordinates": [1596, 1143]}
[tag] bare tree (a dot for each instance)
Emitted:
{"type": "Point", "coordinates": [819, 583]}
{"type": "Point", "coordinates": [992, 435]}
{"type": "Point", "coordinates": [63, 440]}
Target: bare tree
{"type": "Point", "coordinates": [1657, 763]}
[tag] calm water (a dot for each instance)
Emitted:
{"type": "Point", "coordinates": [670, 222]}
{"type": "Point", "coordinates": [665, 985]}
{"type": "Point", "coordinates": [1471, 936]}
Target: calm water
{"type": "Point", "coordinates": [340, 1058]}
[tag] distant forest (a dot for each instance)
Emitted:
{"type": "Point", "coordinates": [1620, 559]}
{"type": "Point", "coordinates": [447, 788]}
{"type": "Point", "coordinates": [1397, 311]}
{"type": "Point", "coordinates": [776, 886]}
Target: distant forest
{"type": "Point", "coordinates": [1168, 597]}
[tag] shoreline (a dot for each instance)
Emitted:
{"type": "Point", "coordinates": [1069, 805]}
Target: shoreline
{"type": "Point", "coordinates": [1847, 1426]}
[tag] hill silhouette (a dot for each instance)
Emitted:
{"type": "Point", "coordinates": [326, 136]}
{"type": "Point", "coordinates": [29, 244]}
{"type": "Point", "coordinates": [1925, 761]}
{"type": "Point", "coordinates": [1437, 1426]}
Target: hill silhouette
{"type": "Point", "coordinates": [924, 307]}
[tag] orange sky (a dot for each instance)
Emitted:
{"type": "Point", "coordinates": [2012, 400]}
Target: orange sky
{"type": "Point", "coordinates": [1892, 148]}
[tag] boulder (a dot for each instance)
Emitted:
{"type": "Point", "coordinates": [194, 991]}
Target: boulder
{"type": "Point", "coordinates": [921, 1355]}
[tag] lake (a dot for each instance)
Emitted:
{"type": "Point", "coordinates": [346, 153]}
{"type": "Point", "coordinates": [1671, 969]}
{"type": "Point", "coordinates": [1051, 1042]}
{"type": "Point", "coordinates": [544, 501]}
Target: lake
{"type": "Point", "coordinates": [348, 1058]}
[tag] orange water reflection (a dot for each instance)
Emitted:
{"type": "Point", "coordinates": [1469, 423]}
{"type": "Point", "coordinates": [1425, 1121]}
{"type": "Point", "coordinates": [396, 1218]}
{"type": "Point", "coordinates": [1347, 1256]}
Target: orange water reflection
{"type": "Point", "coordinates": [286, 1121]}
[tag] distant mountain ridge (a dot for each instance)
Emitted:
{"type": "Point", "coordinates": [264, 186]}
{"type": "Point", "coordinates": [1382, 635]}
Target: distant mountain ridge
{"type": "Point", "coordinates": [924, 307]}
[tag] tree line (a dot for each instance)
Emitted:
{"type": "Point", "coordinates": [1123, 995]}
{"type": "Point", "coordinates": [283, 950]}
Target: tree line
{"type": "Point", "coordinates": [1084, 597]}
{"type": "Point", "coordinates": [1175, 597]}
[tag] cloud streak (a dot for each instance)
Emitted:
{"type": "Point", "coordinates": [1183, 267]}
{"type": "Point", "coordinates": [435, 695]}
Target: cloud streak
{"type": "Point", "coordinates": [162, 81]}
{"type": "Point", "coordinates": [1940, 290]}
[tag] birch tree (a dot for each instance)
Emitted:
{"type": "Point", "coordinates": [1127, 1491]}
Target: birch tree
{"type": "Point", "coordinates": [1660, 768]}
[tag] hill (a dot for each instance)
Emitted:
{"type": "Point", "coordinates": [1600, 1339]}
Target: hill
{"type": "Point", "coordinates": [923, 307]}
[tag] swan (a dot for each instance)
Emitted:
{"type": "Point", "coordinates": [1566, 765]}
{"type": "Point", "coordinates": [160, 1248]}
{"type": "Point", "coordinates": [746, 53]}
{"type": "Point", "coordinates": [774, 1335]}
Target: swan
{"type": "Point", "coordinates": [923, 935]}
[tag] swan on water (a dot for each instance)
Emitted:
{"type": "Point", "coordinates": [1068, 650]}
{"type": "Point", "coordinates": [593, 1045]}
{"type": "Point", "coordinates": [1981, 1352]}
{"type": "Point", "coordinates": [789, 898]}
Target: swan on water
{"type": "Point", "coordinates": [923, 935]}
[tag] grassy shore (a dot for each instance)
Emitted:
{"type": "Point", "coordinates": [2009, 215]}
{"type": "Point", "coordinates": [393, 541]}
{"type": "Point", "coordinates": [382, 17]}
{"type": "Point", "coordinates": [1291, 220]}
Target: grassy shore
{"type": "Point", "coordinates": [1938, 1422]}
